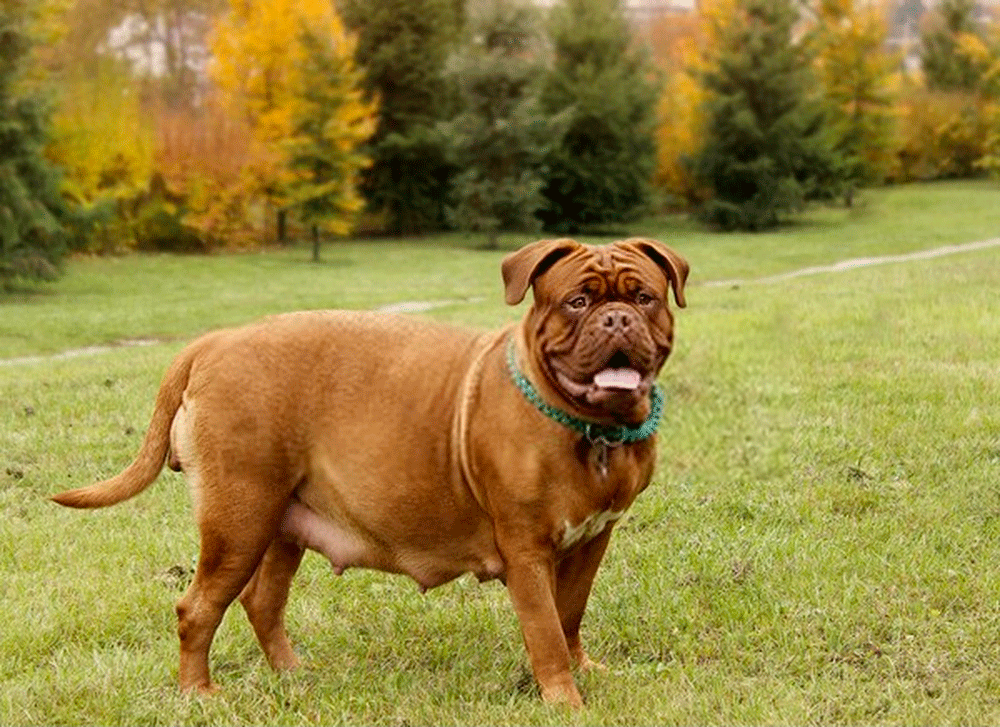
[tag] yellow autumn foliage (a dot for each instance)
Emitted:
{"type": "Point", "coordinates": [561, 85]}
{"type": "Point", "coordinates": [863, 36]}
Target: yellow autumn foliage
{"type": "Point", "coordinates": [105, 144]}
{"type": "Point", "coordinates": [47, 26]}
{"type": "Point", "coordinates": [679, 115]}
{"type": "Point", "coordinates": [263, 52]}
{"type": "Point", "coordinates": [680, 45]}
{"type": "Point", "coordinates": [946, 135]}
{"type": "Point", "coordinates": [859, 79]}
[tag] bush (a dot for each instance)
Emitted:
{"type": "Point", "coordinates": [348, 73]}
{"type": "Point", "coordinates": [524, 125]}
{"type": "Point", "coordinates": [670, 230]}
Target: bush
{"type": "Point", "coordinates": [943, 135]}
{"type": "Point", "coordinates": [206, 194]}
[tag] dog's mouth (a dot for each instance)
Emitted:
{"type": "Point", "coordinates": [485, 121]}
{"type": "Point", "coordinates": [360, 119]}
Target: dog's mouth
{"type": "Point", "coordinates": [619, 374]}
{"type": "Point", "coordinates": [617, 386]}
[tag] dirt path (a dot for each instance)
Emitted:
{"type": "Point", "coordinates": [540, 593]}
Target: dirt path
{"type": "Point", "coordinates": [861, 262]}
{"type": "Point", "coordinates": [420, 306]}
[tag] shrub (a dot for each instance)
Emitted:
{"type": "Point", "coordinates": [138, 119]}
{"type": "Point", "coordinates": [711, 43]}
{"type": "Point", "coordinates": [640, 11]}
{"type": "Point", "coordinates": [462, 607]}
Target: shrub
{"type": "Point", "coordinates": [943, 135]}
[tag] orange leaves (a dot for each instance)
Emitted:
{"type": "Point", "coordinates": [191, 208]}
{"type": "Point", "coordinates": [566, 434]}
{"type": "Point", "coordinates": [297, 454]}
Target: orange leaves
{"type": "Point", "coordinates": [207, 159]}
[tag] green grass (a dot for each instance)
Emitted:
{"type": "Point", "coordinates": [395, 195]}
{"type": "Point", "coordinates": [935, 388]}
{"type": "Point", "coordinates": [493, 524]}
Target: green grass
{"type": "Point", "coordinates": [820, 544]}
{"type": "Point", "coordinates": [104, 301]}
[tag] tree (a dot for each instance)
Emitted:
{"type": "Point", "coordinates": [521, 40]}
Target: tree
{"type": "Point", "coordinates": [601, 171]}
{"type": "Point", "coordinates": [502, 136]}
{"type": "Point", "coordinates": [104, 143]}
{"type": "Point", "coordinates": [767, 146]}
{"type": "Point", "coordinates": [331, 124]}
{"type": "Point", "coordinates": [162, 42]}
{"type": "Point", "coordinates": [945, 67]}
{"type": "Point", "coordinates": [951, 129]}
{"type": "Point", "coordinates": [403, 46]}
{"type": "Point", "coordinates": [855, 72]}
{"type": "Point", "coordinates": [34, 219]}
{"type": "Point", "coordinates": [203, 160]}
{"type": "Point", "coordinates": [266, 65]}
{"type": "Point", "coordinates": [676, 42]}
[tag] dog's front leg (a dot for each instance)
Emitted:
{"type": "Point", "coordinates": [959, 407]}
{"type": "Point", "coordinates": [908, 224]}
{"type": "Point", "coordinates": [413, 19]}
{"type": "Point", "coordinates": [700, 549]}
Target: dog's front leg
{"type": "Point", "coordinates": [531, 581]}
{"type": "Point", "coordinates": [574, 578]}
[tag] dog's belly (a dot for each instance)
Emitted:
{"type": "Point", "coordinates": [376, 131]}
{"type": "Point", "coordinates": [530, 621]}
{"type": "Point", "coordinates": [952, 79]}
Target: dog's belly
{"type": "Point", "coordinates": [346, 547]}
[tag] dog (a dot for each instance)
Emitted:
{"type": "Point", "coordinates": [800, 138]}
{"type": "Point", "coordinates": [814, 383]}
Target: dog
{"type": "Point", "coordinates": [412, 447]}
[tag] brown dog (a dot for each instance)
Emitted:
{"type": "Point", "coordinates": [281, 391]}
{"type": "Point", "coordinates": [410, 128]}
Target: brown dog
{"type": "Point", "coordinates": [410, 447]}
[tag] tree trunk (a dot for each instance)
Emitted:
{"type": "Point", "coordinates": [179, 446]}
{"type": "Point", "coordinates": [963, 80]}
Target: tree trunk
{"type": "Point", "coordinates": [315, 235]}
{"type": "Point", "coordinates": [492, 239]}
{"type": "Point", "coordinates": [282, 222]}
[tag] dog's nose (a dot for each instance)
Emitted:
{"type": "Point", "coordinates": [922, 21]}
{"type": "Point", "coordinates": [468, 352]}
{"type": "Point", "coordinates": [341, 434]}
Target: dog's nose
{"type": "Point", "coordinates": [616, 320]}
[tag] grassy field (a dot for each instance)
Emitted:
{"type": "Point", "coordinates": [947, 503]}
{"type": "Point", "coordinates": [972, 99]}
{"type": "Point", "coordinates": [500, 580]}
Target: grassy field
{"type": "Point", "coordinates": [820, 544]}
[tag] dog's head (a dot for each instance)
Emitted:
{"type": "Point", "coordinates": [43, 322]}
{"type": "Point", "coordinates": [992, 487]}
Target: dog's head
{"type": "Point", "coordinates": [600, 327]}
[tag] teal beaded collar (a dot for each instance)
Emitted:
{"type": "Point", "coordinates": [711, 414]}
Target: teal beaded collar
{"type": "Point", "coordinates": [597, 433]}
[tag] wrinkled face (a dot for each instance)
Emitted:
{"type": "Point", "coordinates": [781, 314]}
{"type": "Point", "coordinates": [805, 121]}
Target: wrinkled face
{"type": "Point", "coordinates": [601, 325]}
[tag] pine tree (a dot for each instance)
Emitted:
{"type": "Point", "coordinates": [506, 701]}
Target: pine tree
{"type": "Point", "coordinates": [331, 124]}
{"type": "Point", "coordinates": [602, 170]}
{"type": "Point", "coordinates": [34, 220]}
{"type": "Point", "coordinates": [502, 136]}
{"type": "Point", "coordinates": [403, 46]}
{"type": "Point", "coordinates": [767, 146]}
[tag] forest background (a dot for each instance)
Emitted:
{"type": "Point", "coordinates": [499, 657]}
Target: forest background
{"type": "Point", "coordinates": [196, 125]}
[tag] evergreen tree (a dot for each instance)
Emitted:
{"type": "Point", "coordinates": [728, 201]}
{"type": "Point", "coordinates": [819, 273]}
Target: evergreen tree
{"type": "Point", "coordinates": [403, 46]}
{"type": "Point", "coordinates": [33, 216]}
{"type": "Point", "coordinates": [331, 123]}
{"type": "Point", "coordinates": [502, 135]}
{"type": "Point", "coordinates": [767, 146]}
{"type": "Point", "coordinates": [601, 172]}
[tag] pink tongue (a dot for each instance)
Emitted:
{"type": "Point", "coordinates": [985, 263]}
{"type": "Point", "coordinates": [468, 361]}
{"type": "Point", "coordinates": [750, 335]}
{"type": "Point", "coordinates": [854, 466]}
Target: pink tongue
{"type": "Point", "coordinates": [618, 379]}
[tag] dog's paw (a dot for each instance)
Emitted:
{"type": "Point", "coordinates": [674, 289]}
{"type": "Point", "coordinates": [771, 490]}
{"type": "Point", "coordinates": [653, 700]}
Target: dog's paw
{"type": "Point", "coordinates": [582, 661]}
{"type": "Point", "coordinates": [564, 694]}
{"type": "Point", "coordinates": [208, 689]}
{"type": "Point", "coordinates": [285, 661]}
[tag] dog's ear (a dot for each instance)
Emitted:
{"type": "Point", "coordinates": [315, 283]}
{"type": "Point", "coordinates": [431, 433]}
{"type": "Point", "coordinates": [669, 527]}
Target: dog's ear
{"type": "Point", "coordinates": [522, 267]}
{"type": "Point", "coordinates": [673, 265]}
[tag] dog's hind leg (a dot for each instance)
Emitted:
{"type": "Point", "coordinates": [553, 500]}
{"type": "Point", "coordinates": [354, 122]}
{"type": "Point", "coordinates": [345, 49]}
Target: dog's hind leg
{"type": "Point", "coordinates": [233, 543]}
{"type": "Point", "coordinates": [264, 600]}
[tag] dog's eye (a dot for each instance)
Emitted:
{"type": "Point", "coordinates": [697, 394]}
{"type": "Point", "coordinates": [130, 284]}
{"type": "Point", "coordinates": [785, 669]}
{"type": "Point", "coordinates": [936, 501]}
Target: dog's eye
{"type": "Point", "coordinates": [578, 302]}
{"type": "Point", "coordinates": [644, 299]}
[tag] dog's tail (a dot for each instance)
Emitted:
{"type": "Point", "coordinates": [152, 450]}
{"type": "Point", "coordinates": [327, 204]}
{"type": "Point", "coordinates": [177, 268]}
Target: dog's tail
{"type": "Point", "coordinates": [147, 464]}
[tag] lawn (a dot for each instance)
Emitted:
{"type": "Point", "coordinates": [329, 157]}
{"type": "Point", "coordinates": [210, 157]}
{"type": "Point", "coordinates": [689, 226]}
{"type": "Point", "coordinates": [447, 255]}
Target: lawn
{"type": "Point", "coordinates": [819, 546]}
